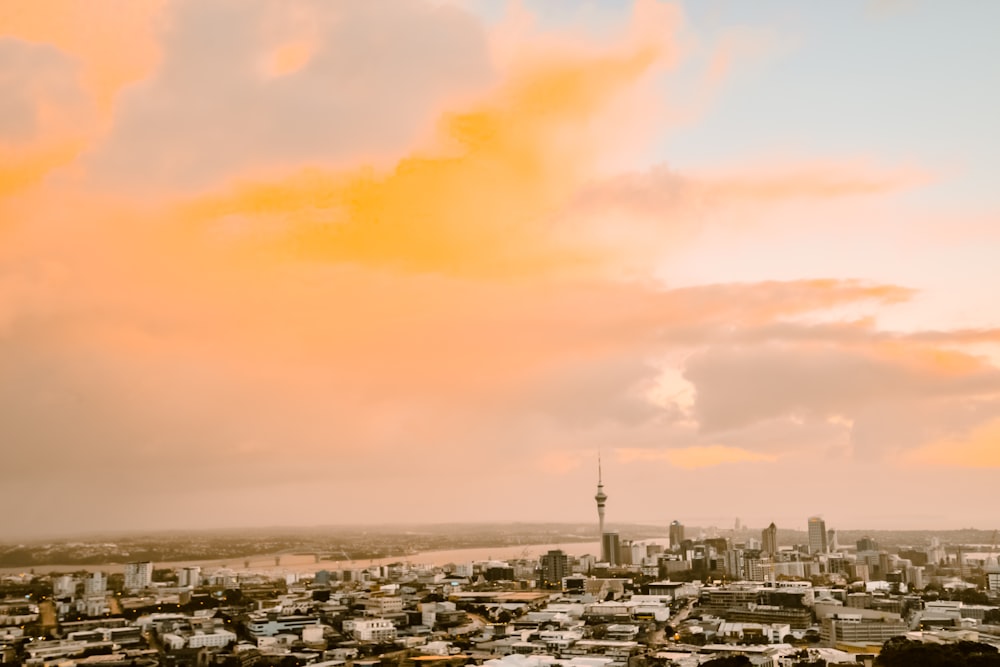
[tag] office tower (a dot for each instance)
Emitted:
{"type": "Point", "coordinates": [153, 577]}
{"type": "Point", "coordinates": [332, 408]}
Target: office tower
{"type": "Point", "coordinates": [817, 535]}
{"type": "Point", "coordinates": [601, 499]}
{"type": "Point", "coordinates": [769, 540]}
{"type": "Point", "coordinates": [625, 552]}
{"type": "Point", "coordinates": [611, 548]}
{"type": "Point", "coordinates": [831, 541]}
{"type": "Point", "coordinates": [555, 566]}
{"type": "Point", "coordinates": [676, 534]}
{"type": "Point", "coordinates": [867, 544]}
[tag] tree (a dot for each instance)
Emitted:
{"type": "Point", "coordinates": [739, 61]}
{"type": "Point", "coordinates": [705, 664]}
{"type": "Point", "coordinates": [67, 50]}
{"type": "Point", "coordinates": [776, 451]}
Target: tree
{"type": "Point", "coordinates": [698, 639]}
{"type": "Point", "coordinates": [164, 575]}
{"type": "Point", "coordinates": [902, 652]}
{"type": "Point", "coordinates": [972, 596]}
{"type": "Point", "coordinates": [728, 661]}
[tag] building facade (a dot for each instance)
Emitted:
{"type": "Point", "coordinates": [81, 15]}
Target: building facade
{"type": "Point", "coordinates": [769, 540]}
{"type": "Point", "coordinates": [676, 534]}
{"type": "Point", "coordinates": [555, 565]}
{"type": "Point", "coordinates": [611, 548]}
{"type": "Point", "coordinates": [138, 575]}
{"type": "Point", "coordinates": [817, 535]}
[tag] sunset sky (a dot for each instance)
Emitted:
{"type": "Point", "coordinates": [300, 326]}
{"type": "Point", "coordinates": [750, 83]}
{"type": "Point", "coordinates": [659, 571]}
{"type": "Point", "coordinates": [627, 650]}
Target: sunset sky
{"type": "Point", "coordinates": [298, 263]}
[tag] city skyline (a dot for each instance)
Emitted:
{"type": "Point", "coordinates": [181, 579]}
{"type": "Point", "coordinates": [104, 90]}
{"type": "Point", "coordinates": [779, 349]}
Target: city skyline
{"type": "Point", "coordinates": [359, 263]}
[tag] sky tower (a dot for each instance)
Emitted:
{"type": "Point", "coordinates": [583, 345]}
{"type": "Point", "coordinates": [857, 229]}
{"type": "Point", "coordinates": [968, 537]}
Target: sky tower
{"type": "Point", "coordinates": [601, 498]}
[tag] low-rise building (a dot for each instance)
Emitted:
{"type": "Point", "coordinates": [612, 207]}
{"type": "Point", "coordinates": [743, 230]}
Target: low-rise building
{"type": "Point", "coordinates": [272, 624]}
{"type": "Point", "coordinates": [846, 627]}
{"type": "Point", "coordinates": [371, 629]}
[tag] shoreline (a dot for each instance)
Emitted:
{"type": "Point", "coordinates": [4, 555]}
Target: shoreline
{"type": "Point", "coordinates": [289, 563]}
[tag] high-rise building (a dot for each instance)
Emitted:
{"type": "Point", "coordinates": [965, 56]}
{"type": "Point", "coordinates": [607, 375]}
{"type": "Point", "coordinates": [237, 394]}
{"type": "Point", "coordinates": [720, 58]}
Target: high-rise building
{"type": "Point", "coordinates": [95, 584]}
{"type": "Point", "coordinates": [601, 499]}
{"type": "Point", "coordinates": [611, 548]}
{"type": "Point", "coordinates": [189, 576]}
{"type": "Point", "coordinates": [817, 535]}
{"type": "Point", "coordinates": [831, 541]}
{"type": "Point", "coordinates": [555, 566]}
{"type": "Point", "coordinates": [769, 540]}
{"type": "Point", "coordinates": [676, 534]}
{"type": "Point", "coordinates": [138, 575]}
{"type": "Point", "coordinates": [993, 577]}
{"type": "Point", "coordinates": [625, 552]}
{"type": "Point", "coordinates": [867, 544]}
{"type": "Point", "coordinates": [64, 586]}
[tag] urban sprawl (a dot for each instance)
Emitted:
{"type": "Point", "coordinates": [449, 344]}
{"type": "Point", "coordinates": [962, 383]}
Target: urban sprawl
{"type": "Point", "coordinates": [683, 601]}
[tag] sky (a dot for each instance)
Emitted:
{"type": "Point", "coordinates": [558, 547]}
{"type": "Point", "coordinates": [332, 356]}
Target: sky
{"type": "Point", "coordinates": [277, 264]}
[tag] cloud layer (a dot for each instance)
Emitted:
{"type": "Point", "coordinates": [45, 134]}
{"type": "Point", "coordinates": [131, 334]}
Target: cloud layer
{"type": "Point", "coordinates": [292, 253]}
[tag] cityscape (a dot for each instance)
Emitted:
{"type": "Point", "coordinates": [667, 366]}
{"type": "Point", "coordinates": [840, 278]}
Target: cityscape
{"type": "Point", "coordinates": [738, 596]}
{"type": "Point", "coordinates": [499, 333]}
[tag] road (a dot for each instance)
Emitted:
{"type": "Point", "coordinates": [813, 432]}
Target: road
{"type": "Point", "coordinates": [680, 616]}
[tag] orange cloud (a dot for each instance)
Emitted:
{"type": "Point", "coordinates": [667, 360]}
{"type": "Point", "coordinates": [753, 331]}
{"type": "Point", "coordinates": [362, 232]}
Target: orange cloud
{"type": "Point", "coordinates": [479, 203]}
{"type": "Point", "coordinates": [774, 183]}
{"type": "Point", "coordinates": [560, 462]}
{"type": "Point", "coordinates": [290, 58]}
{"type": "Point", "coordinates": [24, 167]}
{"type": "Point", "coordinates": [978, 449]}
{"type": "Point", "coordinates": [110, 44]}
{"type": "Point", "coordinates": [689, 458]}
{"type": "Point", "coordinates": [113, 40]}
{"type": "Point", "coordinates": [663, 193]}
{"type": "Point", "coordinates": [447, 303]}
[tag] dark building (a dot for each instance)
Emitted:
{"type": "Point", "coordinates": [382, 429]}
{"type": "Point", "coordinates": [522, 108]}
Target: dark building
{"type": "Point", "coordinates": [817, 536]}
{"type": "Point", "coordinates": [555, 566]}
{"type": "Point", "coordinates": [676, 534]}
{"type": "Point", "coordinates": [769, 540]}
{"type": "Point", "coordinates": [867, 544]}
{"type": "Point", "coordinates": [625, 553]}
{"type": "Point", "coordinates": [611, 548]}
{"type": "Point", "coordinates": [499, 573]}
{"type": "Point", "coordinates": [914, 556]}
{"type": "Point", "coordinates": [719, 544]}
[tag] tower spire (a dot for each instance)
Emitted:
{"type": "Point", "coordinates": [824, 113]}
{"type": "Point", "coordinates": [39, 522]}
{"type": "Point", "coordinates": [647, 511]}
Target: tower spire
{"type": "Point", "coordinates": [601, 499]}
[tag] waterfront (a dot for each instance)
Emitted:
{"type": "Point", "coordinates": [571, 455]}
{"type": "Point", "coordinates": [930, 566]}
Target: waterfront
{"type": "Point", "coordinates": [303, 563]}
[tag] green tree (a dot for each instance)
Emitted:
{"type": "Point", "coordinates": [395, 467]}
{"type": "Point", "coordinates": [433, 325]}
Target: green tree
{"type": "Point", "coordinates": [902, 652]}
{"type": "Point", "coordinates": [728, 661]}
